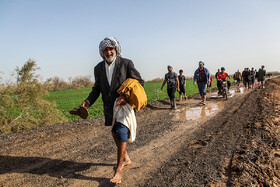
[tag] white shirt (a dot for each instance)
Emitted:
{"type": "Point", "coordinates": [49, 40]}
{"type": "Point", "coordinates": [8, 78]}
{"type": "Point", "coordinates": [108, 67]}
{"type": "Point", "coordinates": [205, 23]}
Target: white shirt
{"type": "Point", "coordinates": [109, 71]}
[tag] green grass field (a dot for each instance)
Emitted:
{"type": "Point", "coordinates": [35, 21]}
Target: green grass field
{"type": "Point", "coordinates": [69, 99]}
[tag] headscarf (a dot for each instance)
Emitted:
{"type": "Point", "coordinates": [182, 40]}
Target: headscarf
{"type": "Point", "coordinates": [110, 42]}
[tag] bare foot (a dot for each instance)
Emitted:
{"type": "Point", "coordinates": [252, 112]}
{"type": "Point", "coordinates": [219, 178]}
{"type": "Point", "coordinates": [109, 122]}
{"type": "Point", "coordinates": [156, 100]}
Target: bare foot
{"type": "Point", "coordinates": [126, 162]}
{"type": "Point", "coordinates": [117, 179]}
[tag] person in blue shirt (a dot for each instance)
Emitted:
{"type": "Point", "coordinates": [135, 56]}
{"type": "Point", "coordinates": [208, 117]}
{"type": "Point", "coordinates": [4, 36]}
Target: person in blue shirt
{"type": "Point", "coordinates": [202, 78]}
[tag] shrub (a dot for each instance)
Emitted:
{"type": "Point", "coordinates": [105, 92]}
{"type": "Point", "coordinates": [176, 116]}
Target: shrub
{"type": "Point", "coordinates": [22, 107]}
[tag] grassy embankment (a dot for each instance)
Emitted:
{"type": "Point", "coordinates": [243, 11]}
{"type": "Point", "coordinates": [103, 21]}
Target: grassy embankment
{"type": "Point", "coordinates": [69, 99]}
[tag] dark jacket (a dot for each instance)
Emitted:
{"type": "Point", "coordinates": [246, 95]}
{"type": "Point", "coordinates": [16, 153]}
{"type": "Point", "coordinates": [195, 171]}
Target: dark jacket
{"type": "Point", "coordinates": [245, 75]}
{"type": "Point", "coordinates": [124, 69]}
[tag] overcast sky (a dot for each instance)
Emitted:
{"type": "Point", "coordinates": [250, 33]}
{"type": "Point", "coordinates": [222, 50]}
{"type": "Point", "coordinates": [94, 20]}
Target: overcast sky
{"type": "Point", "coordinates": [63, 35]}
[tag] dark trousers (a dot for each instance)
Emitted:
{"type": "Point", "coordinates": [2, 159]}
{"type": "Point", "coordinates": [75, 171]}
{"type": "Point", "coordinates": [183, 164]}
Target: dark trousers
{"type": "Point", "coordinates": [219, 84]}
{"type": "Point", "coordinates": [238, 81]}
{"type": "Point", "coordinates": [171, 93]}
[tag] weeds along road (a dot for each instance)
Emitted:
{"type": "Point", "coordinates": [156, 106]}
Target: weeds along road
{"type": "Point", "coordinates": [233, 142]}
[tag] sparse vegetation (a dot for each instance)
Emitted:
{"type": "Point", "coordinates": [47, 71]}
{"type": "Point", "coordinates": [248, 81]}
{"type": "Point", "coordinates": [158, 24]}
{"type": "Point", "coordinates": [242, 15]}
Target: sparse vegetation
{"type": "Point", "coordinates": [273, 73]}
{"type": "Point", "coordinates": [22, 105]}
{"type": "Point", "coordinates": [56, 83]}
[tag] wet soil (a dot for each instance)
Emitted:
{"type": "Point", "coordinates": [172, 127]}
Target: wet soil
{"type": "Point", "coordinates": [225, 143]}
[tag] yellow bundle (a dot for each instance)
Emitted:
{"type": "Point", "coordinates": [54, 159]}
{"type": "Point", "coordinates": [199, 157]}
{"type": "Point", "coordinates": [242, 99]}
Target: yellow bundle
{"type": "Point", "coordinates": [134, 93]}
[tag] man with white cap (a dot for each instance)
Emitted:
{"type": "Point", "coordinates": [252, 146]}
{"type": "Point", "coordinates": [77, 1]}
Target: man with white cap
{"type": "Point", "coordinates": [202, 77]}
{"type": "Point", "coordinates": [109, 75]}
{"type": "Point", "coordinates": [172, 81]}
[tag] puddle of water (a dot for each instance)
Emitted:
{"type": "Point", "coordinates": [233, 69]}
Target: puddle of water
{"type": "Point", "coordinates": [196, 112]}
{"type": "Point", "coordinates": [232, 92]}
{"type": "Point", "coordinates": [241, 90]}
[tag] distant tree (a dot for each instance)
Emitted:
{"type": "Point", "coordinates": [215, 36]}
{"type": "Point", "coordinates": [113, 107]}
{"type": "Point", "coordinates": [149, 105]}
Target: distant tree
{"type": "Point", "coordinates": [82, 82]}
{"type": "Point", "coordinates": [26, 74]}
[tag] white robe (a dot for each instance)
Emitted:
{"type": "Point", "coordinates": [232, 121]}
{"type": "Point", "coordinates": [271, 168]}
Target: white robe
{"type": "Point", "coordinates": [125, 114]}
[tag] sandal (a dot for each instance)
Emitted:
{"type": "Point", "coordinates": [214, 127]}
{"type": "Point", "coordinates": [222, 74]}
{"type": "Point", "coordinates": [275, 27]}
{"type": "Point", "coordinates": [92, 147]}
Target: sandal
{"type": "Point", "coordinates": [80, 111]}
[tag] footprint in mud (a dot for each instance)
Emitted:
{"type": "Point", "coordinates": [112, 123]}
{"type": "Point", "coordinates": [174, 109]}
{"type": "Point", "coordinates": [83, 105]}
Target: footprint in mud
{"type": "Point", "coordinates": [277, 154]}
{"type": "Point", "coordinates": [198, 144]}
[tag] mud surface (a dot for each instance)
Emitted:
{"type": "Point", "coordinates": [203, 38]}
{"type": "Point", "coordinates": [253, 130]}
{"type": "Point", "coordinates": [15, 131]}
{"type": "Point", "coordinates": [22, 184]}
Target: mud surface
{"type": "Point", "coordinates": [225, 143]}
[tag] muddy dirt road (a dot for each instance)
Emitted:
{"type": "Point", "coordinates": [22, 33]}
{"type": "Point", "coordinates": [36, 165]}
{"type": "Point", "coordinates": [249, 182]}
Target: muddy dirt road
{"type": "Point", "coordinates": [233, 142]}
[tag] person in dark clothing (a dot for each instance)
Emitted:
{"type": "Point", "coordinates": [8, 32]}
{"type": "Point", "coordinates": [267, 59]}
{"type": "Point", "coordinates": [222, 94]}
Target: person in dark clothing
{"type": "Point", "coordinates": [217, 73]}
{"type": "Point", "coordinates": [172, 81]}
{"type": "Point", "coordinates": [109, 75]}
{"type": "Point", "coordinates": [249, 77]}
{"type": "Point", "coordinates": [261, 76]}
{"type": "Point", "coordinates": [245, 78]}
{"type": "Point", "coordinates": [253, 77]}
{"type": "Point", "coordinates": [216, 76]}
{"type": "Point", "coordinates": [182, 85]}
{"type": "Point", "coordinates": [237, 77]}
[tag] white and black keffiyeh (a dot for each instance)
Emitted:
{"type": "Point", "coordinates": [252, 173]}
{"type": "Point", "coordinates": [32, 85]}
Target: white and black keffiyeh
{"type": "Point", "coordinates": [110, 42]}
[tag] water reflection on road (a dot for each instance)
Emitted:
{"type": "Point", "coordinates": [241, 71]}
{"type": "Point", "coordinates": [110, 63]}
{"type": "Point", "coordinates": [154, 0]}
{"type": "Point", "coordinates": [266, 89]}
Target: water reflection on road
{"type": "Point", "coordinates": [232, 93]}
{"type": "Point", "coordinates": [200, 112]}
{"type": "Point", "coordinates": [195, 113]}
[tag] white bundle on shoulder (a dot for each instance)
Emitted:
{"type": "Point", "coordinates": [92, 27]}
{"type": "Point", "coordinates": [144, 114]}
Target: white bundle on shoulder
{"type": "Point", "coordinates": [125, 114]}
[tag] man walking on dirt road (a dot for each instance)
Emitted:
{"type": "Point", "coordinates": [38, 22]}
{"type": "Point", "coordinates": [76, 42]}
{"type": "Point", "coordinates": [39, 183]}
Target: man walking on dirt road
{"type": "Point", "coordinates": [261, 75]}
{"type": "Point", "coordinates": [182, 86]}
{"type": "Point", "coordinates": [245, 75]}
{"type": "Point", "coordinates": [217, 73]}
{"type": "Point", "coordinates": [237, 77]}
{"type": "Point", "coordinates": [172, 81]}
{"type": "Point", "coordinates": [109, 75]}
{"type": "Point", "coordinates": [253, 77]}
{"type": "Point", "coordinates": [202, 77]}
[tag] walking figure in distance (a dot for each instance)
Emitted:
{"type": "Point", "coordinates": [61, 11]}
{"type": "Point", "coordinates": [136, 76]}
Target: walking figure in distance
{"type": "Point", "coordinates": [182, 86]}
{"type": "Point", "coordinates": [202, 78]}
{"type": "Point", "coordinates": [172, 81]}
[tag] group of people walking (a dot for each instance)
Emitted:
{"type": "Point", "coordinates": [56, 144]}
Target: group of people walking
{"type": "Point", "coordinates": [174, 82]}
{"type": "Point", "coordinates": [249, 77]}
{"type": "Point", "coordinates": [203, 79]}
{"type": "Point", "coordinates": [114, 70]}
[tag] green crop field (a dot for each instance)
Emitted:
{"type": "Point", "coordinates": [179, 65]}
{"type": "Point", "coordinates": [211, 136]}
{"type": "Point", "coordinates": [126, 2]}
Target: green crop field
{"type": "Point", "coordinates": [69, 99]}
